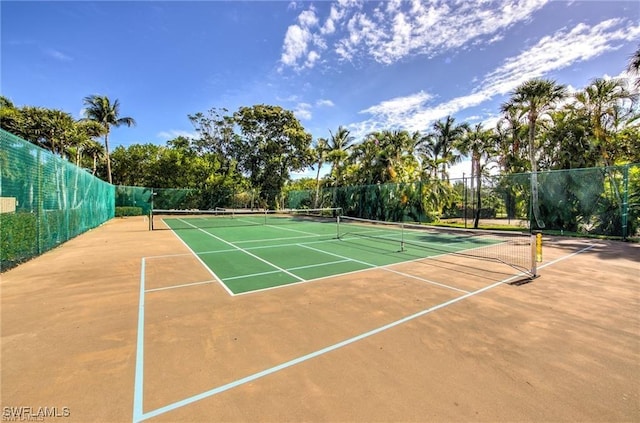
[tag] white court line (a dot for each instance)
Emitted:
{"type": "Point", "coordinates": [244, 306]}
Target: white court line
{"type": "Point", "coordinates": [290, 268]}
{"type": "Point", "coordinates": [139, 414]}
{"type": "Point", "coordinates": [386, 268]}
{"type": "Point", "coordinates": [226, 288]}
{"type": "Point", "coordinates": [245, 251]}
{"type": "Point", "coordinates": [371, 266]}
{"type": "Point", "coordinates": [184, 285]}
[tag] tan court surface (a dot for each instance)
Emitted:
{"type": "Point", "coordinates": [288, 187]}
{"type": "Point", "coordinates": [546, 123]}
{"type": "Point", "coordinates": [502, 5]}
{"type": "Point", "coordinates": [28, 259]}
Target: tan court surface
{"type": "Point", "coordinates": [563, 348]}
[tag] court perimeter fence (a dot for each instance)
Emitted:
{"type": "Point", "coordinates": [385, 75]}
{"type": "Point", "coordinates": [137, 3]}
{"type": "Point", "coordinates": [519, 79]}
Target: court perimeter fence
{"type": "Point", "coordinates": [45, 200]}
{"type": "Point", "coordinates": [601, 201]}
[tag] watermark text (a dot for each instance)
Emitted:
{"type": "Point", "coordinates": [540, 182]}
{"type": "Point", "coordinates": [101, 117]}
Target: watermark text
{"type": "Point", "coordinates": [33, 414]}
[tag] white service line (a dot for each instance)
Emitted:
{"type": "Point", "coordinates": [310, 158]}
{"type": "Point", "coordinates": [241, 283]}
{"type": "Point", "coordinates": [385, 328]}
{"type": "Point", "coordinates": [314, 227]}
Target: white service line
{"type": "Point", "coordinates": [245, 251]}
{"type": "Point", "coordinates": [226, 288]}
{"type": "Point", "coordinates": [386, 268]}
{"type": "Point", "coordinates": [291, 268]}
{"type": "Point", "coordinates": [180, 286]}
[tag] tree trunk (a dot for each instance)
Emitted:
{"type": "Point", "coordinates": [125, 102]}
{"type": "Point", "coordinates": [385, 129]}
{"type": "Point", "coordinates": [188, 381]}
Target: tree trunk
{"type": "Point", "coordinates": [315, 202]}
{"type": "Point", "coordinates": [106, 148]}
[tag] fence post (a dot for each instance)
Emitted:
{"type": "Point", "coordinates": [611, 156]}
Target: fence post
{"type": "Point", "coordinates": [625, 200]}
{"type": "Point", "coordinates": [39, 201]}
{"type": "Point", "coordinates": [464, 194]}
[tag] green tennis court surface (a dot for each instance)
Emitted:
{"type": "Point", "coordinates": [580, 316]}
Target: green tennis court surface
{"type": "Point", "coordinates": [249, 253]}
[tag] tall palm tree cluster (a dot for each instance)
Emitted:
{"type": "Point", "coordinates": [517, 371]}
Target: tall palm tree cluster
{"type": "Point", "coordinates": [59, 133]}
{"type": "Point", "coordinates": [541, 127]}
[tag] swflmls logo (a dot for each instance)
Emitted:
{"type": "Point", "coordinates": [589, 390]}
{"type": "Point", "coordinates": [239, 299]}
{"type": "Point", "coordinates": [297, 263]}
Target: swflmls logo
{"type": "Point", "coordinates": [17, 414]}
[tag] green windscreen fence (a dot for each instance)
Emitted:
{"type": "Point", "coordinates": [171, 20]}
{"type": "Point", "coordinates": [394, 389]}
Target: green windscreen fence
{"type": "Point", "coordinates": [595, 201]}
{"type": "Point", "coordinates": [45, 200]}
{"type": "Point", "coordinates": [145, 199]}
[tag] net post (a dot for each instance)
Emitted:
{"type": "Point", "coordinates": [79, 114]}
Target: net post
{"type": "Point", "coordinates": [338, 227]}
{"type": "Point", "coordinates": [536, 252]}
{"type": "Point", "coordinates": [150, 219]}
{"type": "Point", "coordinates": [402, 236]}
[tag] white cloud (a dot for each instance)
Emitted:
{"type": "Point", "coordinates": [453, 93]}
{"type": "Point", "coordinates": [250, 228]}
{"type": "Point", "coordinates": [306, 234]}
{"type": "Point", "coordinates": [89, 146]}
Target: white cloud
{"type": "Point", "coordinates": [308, 18]}
{"type": "Point", "coordinates": [303, 111]}
{"type": "Point", "coordinates": [551, 53]}
{"type": "Point", "coordinates": [399, 108]}
{"type": "Point", "coordinates": [295, 45]}
{"type": "Point", "coordinates": [298, 40]}
{"type": "Point", "coordinates": [312, 57]}
{"type": "Point", "coordinates": [396, 29]}
{"type": "Point", "coordinates": [58, 55]}
{"type": "Point", "coordinates": [325, 103]}
{"type": "Point", "coordinates": [558, 51]}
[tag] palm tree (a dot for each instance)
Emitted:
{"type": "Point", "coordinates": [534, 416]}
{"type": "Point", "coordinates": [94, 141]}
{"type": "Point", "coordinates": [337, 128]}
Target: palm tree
{"type": "Point", "coordinates": [80, 135]}
{"type": "Point", "coordinates": [100, 109]}
{"type": "Point", "coordinates": [477, 142]}
{"type": "Point", "coordinates": [603, 103]}
{"type": "Point", "coordinates": [365, 161]}
{"type": "Point", "coordinates": [95, 150]}
{"type": "Point", "coordinates": [320, 154]}
{"type": "Point", "coordinates": [535, 98]}
{"type": "Point", "coordinates": [442, 139]}
{"type": "Point", "coordinates": [338, 145]}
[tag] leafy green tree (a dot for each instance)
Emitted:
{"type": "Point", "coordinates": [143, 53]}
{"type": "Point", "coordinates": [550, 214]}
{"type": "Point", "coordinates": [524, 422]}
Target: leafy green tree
{"type": "Point", "coordinates": [136, 164]}
{"type": "Point", "coordinates": [217, 136]}
{"type": "Point", "coordinates": [384, 157]}
{"type": "Point", "coordinates": [271, 143]}
{"type": "Point", "coordinates": [363, 165]}
{"type": "Point", "coordinates": [567, 142]}
{"type": "Point", "coordinates": [80, 136]}
{"type": "Point", "coordinates": [95, 151]}
{"type": "Point", "coordinates": [100, 109]}
{"type": "Point", "coordinates": [10, 117]}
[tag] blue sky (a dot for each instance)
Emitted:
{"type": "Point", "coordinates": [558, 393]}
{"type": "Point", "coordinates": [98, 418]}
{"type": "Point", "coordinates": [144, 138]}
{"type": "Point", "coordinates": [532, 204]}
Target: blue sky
{"type": "Point", "coordinates": [365, 65]}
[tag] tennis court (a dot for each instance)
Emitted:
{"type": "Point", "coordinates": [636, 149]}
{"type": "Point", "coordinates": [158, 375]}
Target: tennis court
{"type": "Point", "coordinates": [304, 318]}
{"type": "Point", "coordinates": [248, 251]}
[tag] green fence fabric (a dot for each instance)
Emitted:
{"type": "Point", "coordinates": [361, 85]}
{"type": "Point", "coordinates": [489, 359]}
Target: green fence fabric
{"type": "Point", "coordinates": [44, 200]}
{"type": "Point", "coordinates": [594, 201]}
{"type": "Point", "coordinates": [220, 197]}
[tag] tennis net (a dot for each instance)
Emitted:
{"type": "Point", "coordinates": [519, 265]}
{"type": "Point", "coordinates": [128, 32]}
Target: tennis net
{"type": "Point", "coordinates": [221, 218]}
{"type": "Point", "coordinates": [515, 249]}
